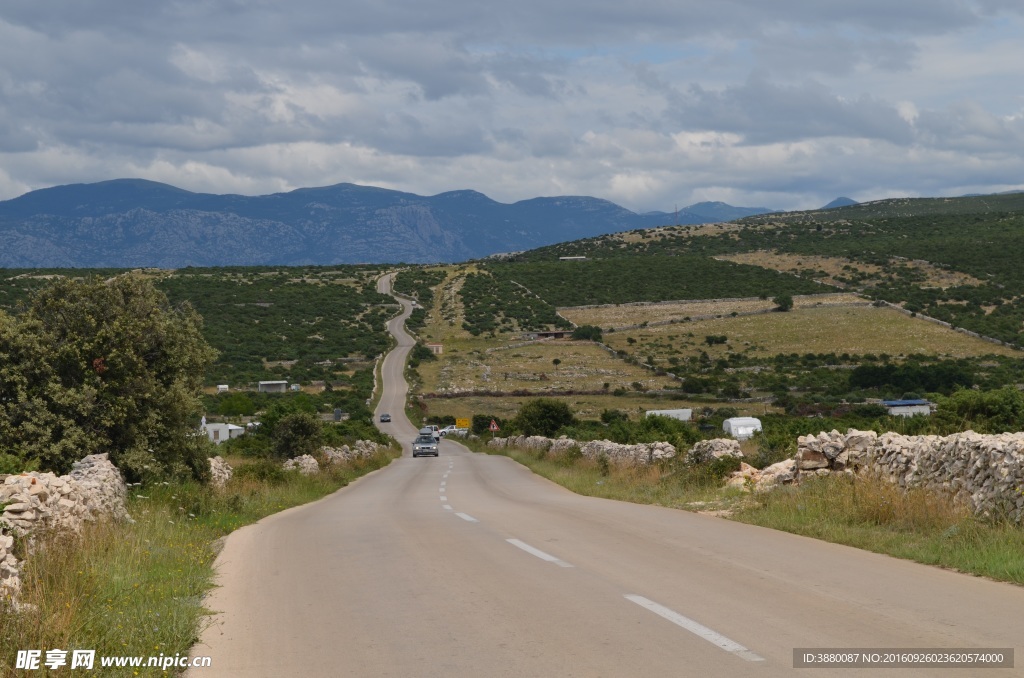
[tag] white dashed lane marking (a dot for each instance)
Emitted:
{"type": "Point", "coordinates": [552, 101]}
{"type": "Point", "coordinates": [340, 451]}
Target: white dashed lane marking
{"type": "Point", "coordinates": [467, 518]}
{"type": "Point", "coordinates": [538, 553]}
{"type": "Point", "coordinates": [697, 629]}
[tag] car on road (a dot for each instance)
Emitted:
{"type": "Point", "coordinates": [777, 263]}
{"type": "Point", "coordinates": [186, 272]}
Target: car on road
{"type": "Point", "coordinates": [425, 446]}
{"type": "Point", "coordinates": [431, 430]}
{"type": "Point", "coordinates": [385, 418]}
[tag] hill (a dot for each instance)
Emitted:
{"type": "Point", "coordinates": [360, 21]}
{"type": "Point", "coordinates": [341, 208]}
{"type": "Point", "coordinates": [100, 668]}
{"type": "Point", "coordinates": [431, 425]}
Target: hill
{"type": "Point", "coordinates": [133, 222]}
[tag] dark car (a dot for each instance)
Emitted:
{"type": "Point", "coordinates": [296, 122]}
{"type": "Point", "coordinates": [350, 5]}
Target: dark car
{"type": "Point", "coordinates": [385, 418]}
{"type": "Point", "coordinates": [424, 446]}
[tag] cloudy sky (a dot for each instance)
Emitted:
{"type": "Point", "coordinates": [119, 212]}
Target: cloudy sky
{"type": "Point", "coordinates": [649, 103]}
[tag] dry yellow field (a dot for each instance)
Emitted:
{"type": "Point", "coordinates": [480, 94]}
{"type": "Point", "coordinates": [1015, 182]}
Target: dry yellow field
{"type": "Point", "coordinates": [583, 366]}
{"type": "Point", "coordinates": [624, 315]}
{"type": "Point", "coordinates": [842, 267]}
{"type": "Point", "coordinates": [854, 330]}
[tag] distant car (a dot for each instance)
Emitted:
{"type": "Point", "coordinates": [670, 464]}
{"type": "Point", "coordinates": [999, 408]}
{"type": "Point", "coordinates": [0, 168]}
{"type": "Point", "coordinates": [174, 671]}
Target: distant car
{"type": "Point", "coordinates": [424, 446]}
{"type": "Point", "coordinates": [385, 418]}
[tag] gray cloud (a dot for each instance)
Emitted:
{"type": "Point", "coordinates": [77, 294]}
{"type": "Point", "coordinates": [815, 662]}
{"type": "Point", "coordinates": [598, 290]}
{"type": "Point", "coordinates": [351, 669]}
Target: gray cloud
{"type": "Point", "coordinates": [643, 102]}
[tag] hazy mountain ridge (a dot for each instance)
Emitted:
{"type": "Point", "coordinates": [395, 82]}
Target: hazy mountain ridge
{"type": "Point", "coordinates": [134, 222]}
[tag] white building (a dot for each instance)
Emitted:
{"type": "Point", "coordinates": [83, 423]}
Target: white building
{"type": "Point", "coordinates": [272, 386]}
{"type": "Point", "coordinates": [681, 415]}
{"type": "Point", "coordinates": [222, 388]}
{"type": "Point", "coordinates": [218, 433]}
{"type": "Point", "coordinates": [741, 428]}
{"type": "Point", "coordinates": [908, 408]}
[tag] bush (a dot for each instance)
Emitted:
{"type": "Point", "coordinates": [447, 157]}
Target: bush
{"type": "Point", "coordinates": [104, 366]}
{"type": "Point", "coordinates": [264, 470]}
{"type": "Point", "coordinates": [297, 434]}
{"type": "Point", "coordinates": [587, 333]}
{"type": "Point", "coordinates": [543, 417]}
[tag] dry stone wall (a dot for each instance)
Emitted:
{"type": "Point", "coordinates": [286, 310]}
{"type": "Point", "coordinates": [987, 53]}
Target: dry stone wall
{"type": "Point", "coordinates": [704, 451]}
{"type": "Point", "coordinates": [31, 502]}
{"type": "Point", "coordinates": [305, 464]}
{"type": "Point", "coordinates": [986, 471]}
{"type": "Point", "coordinates": [640, 454]}
{"type": "Point", "coordinates": [359, 450]}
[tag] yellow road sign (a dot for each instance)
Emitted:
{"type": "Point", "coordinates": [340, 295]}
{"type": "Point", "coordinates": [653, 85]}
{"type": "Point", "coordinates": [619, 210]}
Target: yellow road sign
{"type": "Point", "coordinates": [462, 423]}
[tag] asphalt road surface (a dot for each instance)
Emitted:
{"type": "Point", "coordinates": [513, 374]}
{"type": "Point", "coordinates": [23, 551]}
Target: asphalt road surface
{"type": "Point", "coordinates": [470, 565]}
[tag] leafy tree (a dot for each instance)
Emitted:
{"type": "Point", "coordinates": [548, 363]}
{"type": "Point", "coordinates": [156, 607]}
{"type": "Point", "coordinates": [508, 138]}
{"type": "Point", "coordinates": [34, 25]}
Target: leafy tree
{"type": "Point", "coordinates": [104, 366]}
{"type": "Point", "coordinates": [783, 302]}
{"type": "Point", "coordinates": [237, 404]}
{"type": "Point", "coordinates": [297, 434]}
{"type": "Point", "coordinates": [543, 417]}
{"type": "Point", "coordinates": [587, 333]}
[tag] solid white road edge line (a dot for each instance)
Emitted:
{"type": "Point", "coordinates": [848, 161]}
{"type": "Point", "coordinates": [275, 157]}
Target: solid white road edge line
{"type": "Point", "coordinates": [697, 629]}
{"type": "Point", "coordinates": [538, 553]}
{"type": "Point", "coordinates": [467, 518]}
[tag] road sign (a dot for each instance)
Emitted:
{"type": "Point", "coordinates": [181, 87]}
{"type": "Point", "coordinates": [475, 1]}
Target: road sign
{"type": "Point", "coordinates": [494, 426]}
{"type": "Point", "coordinates": [462, 423]}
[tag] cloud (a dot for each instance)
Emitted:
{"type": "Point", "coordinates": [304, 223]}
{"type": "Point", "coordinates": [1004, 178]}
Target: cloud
{"type": "Point", "coordinates": [649, 103]}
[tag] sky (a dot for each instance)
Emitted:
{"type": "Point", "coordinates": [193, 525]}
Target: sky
{"type": "Point", "coordinates": [652, 104]}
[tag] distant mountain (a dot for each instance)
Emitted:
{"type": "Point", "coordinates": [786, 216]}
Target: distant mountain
{"type": "Point", "coordinates": [133, 223]}
{"type": "Point", "coordinates": [839, 202]}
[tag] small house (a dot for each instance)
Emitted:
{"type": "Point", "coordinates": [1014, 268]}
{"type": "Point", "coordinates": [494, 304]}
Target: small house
{"type": "Point", "coordinates": [681, 415]}
{"type": "Point", "coordinates": [222, 388]}
{"type": "Point", "coordinates": [741, 428]}
{"type": "Point", "coordinates": [436, 349]}
{"type": "Point", "coordinates": [218, 433]}
{"type": "Point", "coordinates": [908, 408]}
{"type": "Point", "coordinates": [552, 334]}
{"type": "Point", "coordinates": [272, 386]}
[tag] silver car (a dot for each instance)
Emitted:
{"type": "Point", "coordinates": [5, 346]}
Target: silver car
{"type": "Point", "coordinates": [425, 446]}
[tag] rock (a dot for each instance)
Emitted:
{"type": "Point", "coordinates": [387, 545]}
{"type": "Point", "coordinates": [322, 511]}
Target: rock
{"type": "Point", "coordinates": [305, 464]}
{"type": "Point", "coordinates": [220, 472]}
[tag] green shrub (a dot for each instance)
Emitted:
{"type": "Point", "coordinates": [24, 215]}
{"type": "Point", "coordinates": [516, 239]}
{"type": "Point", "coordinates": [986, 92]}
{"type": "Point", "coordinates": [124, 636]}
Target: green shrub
{"type": "Point", "coordinates": [263, 470]}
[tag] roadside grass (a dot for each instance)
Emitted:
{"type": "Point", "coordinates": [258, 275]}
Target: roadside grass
{"type": "Point", "coordinates": [854, 330]}
{"type": "Point", "coordinates": [864, 512]}
{"type": "Point", "coordinates": [137, 588]}
{"type": "Point", "coordinates": [876, 515]}
{"type": "Point", "coordinates": [669, 485]}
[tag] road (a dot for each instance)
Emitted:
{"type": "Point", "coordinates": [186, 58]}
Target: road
{"type": "Point", "coordinates": [470, 565]}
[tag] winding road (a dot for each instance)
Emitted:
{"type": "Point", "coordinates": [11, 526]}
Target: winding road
{"type": "Point", "coordinates": [470, 565]}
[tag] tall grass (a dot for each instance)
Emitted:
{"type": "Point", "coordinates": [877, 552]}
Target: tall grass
{"type": "Point", "coordinates": [923, 525]}
{"type": "Point", "coordinates": [668, 484]}
{"type": "Point", "coordinates": [137, 588]}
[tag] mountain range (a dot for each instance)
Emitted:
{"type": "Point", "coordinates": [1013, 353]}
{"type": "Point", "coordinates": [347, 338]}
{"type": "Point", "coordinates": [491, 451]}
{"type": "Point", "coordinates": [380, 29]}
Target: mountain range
{"type": "Point", "coordinates": [137, 223]}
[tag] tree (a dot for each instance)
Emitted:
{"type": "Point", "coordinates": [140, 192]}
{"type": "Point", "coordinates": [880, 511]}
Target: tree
{"type": "Point", "coordinates": [783, 302]}
{"type": "Point", "coordinates": [543, 417]}
{"type": "Point", "coordinates": [587, 333]}
{"type": "Point", "coordinates": [297, 434]}
{"type": "Point", "coordinates": [104, 366]}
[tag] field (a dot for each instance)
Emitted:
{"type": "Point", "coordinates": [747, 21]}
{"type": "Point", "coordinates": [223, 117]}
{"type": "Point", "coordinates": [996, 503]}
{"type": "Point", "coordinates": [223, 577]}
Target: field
{"type": "Point", "coordinates": [628, 315]}
{"type": "Point", "coordinates": [841, 271]}
{"type": "Point", "coordinates": [581, 366]}
{"type": "Point", "coordinates": [854, 330]}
